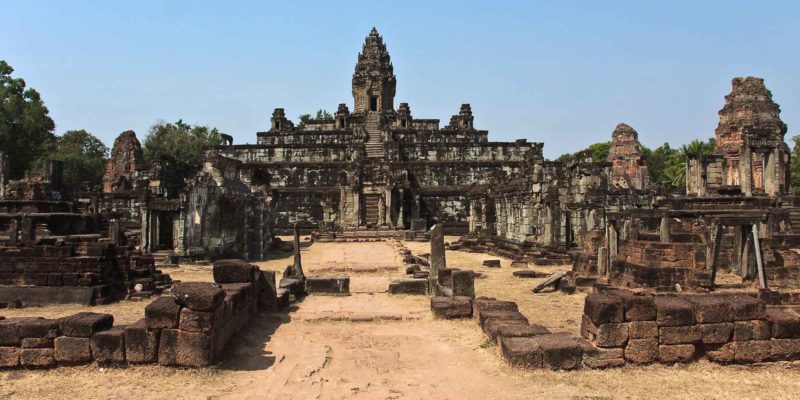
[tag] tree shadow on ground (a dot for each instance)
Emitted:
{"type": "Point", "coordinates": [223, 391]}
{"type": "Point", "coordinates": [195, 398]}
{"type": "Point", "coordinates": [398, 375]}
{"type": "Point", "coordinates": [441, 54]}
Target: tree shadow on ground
{"type": "Point", "coordinates": [245, 351]}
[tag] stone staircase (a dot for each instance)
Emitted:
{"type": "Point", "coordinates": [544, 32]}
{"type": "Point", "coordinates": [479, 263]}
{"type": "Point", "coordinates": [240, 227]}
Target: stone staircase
{"type": "Point", "coordinates": [371, 208]}
{"type": "Point", "coordinates": [374, 144]}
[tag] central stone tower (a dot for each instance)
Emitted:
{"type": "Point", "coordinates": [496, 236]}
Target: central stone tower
{"type": "Point", "coordinates": [374, 82]}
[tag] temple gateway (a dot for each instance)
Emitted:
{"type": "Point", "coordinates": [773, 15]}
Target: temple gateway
{"type": "Point", "coordinates": [377, 165]}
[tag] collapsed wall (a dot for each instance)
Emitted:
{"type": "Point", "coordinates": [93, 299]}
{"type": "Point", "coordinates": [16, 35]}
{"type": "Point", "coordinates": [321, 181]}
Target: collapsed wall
{"type": "Point", "coordinates": [188, 329]}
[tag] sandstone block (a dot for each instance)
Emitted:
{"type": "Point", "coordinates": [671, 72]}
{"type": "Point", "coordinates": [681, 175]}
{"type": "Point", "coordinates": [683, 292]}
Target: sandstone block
{"type": "Point", "coordinates": [463, 283]}
{"type": "Point", "coordinates": [641, 351]}
{"type": "Point", "coordinates": [642, 329]}
{"type": "Point", "coordinates": [519, 330]}
{"type": "Point", "coordinates": [9, 332]}
{"type": "Point", "coordinates": [141, 343]}
{"type": "Point", "coordinates": [108, 347]}
{"type": "Point", "coordinates": [185, 349]}
{"type": "Point", "coordinates": [722, 354]}
{"type": "Point", "coordinates": [491, 304]}
{"type": "Point", "coordinates": [637, 307]}
{"type": "Point", "coordinates": [9, 357]}
{"type": "Point", "coordinates": [710, 309]}
{"type": "Point", "coordinates": [669, 335]}
{"type": "Point", "coordinates": [504, 315]}
{"type": "Point", "coordinates": [785, 325]}
{"type": "Point", "coordinates": [234, 271]}
{"type": "Point", "coordinates": [37, 343]}
{"type": "Point", "coordinates": [716, 333]}
{"type": "Point", "coordinates": [38, 328]}
{"type": "Point", "coordinates": [198, 296]}
{"type": "Point", "coordinates": [409, 286]}
{"type": "Point", "coordinates": [675, 353]}
{"type": "Point", "coordinates": [751, 330]}
{"type": "Point", "coordinates": [673, 311]}
{"type": "Point", "coordinates": [85, 324]}
{"type": "Point", "coordinates": [491, 326]}
{"type": "Point", "coordinates": [73, 350]}
{"type": "Point", "coordinates": [521, 352]}
{"type": "Point", "coordinates": [196, 321]}
{"type": "Point", "coordinates": [559, 352]}
{"type": "Point", "coordinates": [597, 358]}
{"type": "Point", "coordinates": [451, 307]}
{"type": "Point", "coordinates": [784, 349]}
{"type": "Point", "coordinates": [37, 358]}
{"type": "Point", "coordinates": [162, 313]}
{"type": "Point", "coordinates": [746, 308]}
{"type": "Point", "coordinates": [752, 351]}
{"type": "Point", "coordinates": [588, 329]}
{"type": "Point", "coordinates": [612, 335]}
{"type": "Point", "coordinates": [603, 308]}
{"type": "Point", "coordinates": [328, 285]}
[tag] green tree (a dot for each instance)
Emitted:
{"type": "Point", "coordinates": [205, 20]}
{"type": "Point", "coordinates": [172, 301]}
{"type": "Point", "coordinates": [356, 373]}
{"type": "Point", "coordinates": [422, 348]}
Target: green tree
{"type": "Point", "coordinates": [794, 165]}
{"type": "Point", "coordinates": [181, 141]}
{"type": "Point", "coordinates": [321, 115]}
{"type": "Point", "coordinates": [26, 129]}
{"type": "Point", "coordinates": [600, 151]}
{"type": "Point", "coordinates": [84, 157]}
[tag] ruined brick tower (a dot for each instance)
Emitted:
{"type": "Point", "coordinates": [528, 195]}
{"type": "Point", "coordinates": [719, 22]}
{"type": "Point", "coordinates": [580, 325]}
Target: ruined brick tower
{"type": "Point", "coordinates": [374, 82]}
{"type": "Point", "coordinates": [628, 168]}
{"type": "Point", "coordinates": [750, 155]}
{"type": "Point", "coordinates": [750, 134]}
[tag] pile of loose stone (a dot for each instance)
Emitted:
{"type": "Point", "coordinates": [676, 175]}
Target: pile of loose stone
{"type": "Point", "coordinates": [188, 329]}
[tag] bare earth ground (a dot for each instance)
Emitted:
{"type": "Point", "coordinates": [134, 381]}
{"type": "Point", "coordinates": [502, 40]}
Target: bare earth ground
{"type": "Point", "coordinates": [374, 346]}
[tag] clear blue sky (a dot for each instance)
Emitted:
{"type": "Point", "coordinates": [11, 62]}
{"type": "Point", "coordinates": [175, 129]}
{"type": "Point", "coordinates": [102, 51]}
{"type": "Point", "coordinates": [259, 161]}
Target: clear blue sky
{"type": "Point", "coordinates": [563, 73]}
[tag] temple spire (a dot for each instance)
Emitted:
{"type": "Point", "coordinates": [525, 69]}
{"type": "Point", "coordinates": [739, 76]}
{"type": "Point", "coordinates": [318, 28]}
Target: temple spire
{"type": "Point", "coordinates": [374, 82]}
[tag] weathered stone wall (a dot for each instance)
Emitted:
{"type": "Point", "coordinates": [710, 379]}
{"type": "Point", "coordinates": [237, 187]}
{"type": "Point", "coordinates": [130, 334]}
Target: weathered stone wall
{"type": "Point", "coordinates": [189, 329]}
{"type": "Point", "coordinates": [733, 328]}
{"type": "Point", "coordinates": [111, 272]}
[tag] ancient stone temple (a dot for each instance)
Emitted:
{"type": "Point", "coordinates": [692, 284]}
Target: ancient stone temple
{"type": "Point", "coordinates": [376, 166]}
{"type": "Point", "coordinates": [628, 168]}
{"type": "Point", "coordinates": [750, 155]}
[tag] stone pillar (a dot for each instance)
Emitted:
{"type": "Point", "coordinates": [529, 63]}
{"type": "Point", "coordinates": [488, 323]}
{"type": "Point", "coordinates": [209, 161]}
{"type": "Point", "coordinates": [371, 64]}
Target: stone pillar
{"type": "Point", "coordinates": [146, 228]}
{"type": "Point", "coordinates": [114, 232]}
{"type": "Point", "coordinates": [13, 232]}
{"type": "Point", "coordinates": [389, 207]}
{"type": "Point", "coordinates": [769, 175]}
{"type": "Point", "coordinates": [665, 234]}
{"type": "Point", "coordinates": [356, 207]}
{"type": "Point", "coordinates": [401, 203]}
{"type": "Point", "coordinates": [297, 266]}
{"type": "Point", "coordinates": [602, 261]}
{"type": "Point", "coordinates": [28, 229]}
{"type": "Point", "coordinates": [746, 172]}
{"type": "Point", "coordinates": [438, 259]}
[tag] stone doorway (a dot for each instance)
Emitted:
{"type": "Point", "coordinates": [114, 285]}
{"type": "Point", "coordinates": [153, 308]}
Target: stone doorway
{"type": "Point", "coordinates": [165, 232]}
{"type": "Point", "coordinates": [373, 103]}
{"type": "Point", "coordinates": [371, 209]}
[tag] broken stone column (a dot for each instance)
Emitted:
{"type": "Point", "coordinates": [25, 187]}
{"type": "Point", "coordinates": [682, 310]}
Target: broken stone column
{"type": "Point", "coordinates": [665, 234]}
{"type": "Point", "coordinates": [28, 229]}
{"type": "Point", "coordinates": [297, 267]}
{"type": "Point", "coordinates": [13, 232]}
{"type": "Point", "coordinates": [463, 283]}
{"type": "Point", "coordinates": [114, 232]}
{"type": "Point", "coordinates": [438, 260]}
